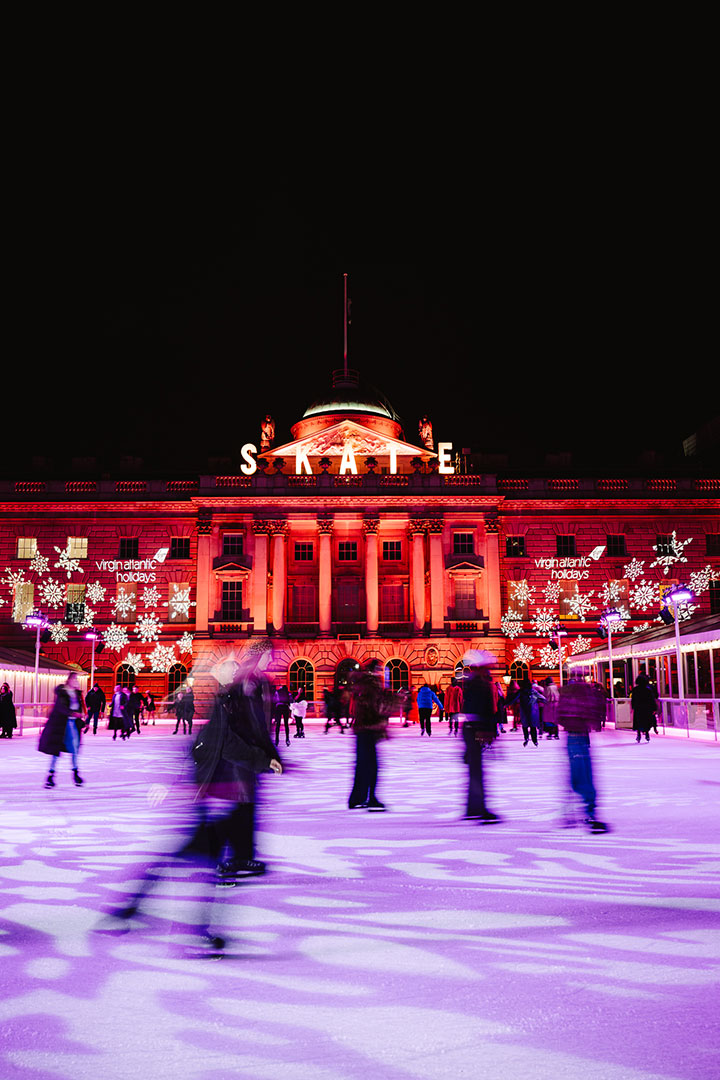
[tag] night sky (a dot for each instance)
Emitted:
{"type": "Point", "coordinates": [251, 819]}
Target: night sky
{"type": "Point", "coordinates": [163, 324]}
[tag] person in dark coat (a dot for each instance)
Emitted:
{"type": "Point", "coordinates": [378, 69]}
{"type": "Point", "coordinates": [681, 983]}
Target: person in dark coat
{"type": "Point", "coordinates": [119, 720]}
{"type": "Point", "coordinates": [8, 719]}
{"type": "Point", "coordinates": [135, 704]}
{"type": "Point", "coordinates": [581, 709]}
{"type": "Point", "coordinates": [479, 707]}
{"type": "Point", "coordinates": [528, 699]}
{"type": "Point", "coordinates": [371, 706]}
{"type": "Point", "coordinates": [184, 710]}
{"type": "Point", "coordinates": [61, 732]}
{"type": "Point", "coordinates": [644, 706]}
{"type": "Point", "coordinates": [332, 710]}
{"type": "Point", "coordinates": [229, 752]}
{"type": "Point", "coordinates": [281, 713]}
{"type": "Point", "coordinates": [150, 708]}
{"type": "Point", "coordinates": [95, 702]}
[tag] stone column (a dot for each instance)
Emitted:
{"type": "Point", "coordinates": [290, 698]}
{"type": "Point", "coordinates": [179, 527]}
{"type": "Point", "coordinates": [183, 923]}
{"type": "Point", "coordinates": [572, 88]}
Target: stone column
{"type": "Point", "coordinates": [416, 534]}
{"type": "Point", "coordinates": [437, 577]}
{"type": "Point", "coordinates": [279, 571]}
{"type": "Point", "coordinates": [372, 595]}
{"type": "Point", "coordinates": [204, 570]}
{"type": "Point", "coordinates": [325, 527]}
{"type": "Point", "coordinates": [492, 569]}
{"type": "Point", "coordinates": [260, 577]}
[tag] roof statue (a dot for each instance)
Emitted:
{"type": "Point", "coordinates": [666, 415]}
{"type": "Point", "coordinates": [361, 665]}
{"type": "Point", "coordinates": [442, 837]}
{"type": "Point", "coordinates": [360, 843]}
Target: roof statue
{"type": "Point", "coordinates": [426, 433]}
{"type": "Point", "coordinates": [267, 433]}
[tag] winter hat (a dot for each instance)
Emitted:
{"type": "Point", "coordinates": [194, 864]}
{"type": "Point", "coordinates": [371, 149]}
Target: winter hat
{"type": "Point", "coordinates": [478, 658]}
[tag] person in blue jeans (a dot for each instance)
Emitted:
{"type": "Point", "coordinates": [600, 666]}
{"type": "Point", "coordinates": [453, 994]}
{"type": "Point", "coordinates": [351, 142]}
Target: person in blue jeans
{"type": "Point", "coordinates": [581, 709]}
{"type": "Point", "coordinates": [426, 698]}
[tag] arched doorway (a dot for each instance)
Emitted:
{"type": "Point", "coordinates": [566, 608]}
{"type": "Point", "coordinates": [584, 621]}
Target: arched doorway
{"type": "Point", "coordinates": [343, 672]}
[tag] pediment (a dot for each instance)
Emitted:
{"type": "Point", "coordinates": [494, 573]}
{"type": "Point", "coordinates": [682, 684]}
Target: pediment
{"type": "Point", "coordinates": [464, 564]}
{"type": "Point", "coordinates": [335, 440]}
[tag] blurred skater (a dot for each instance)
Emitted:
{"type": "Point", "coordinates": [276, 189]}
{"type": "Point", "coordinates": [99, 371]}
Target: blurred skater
{"type": "Point", "coordinates": [453, 706]}
{"type": "Point", "coordinates": [371, 706]}
{"type": "Point", "coordinates": [281, 713]}
{"type": "Point", "coordinates": [479, 729]}
{"type": "Point", "coordinates": [644, 705]}
{"type": "Point", "coordinates": [61, 733]}
{"type": "Point", "coordinates": [528, 699]}
{"type": "Point", "coordinates": [581, 709]}
{"type": "Point", "coordinates": [426, 698]}
{"type": "Point", "coordinates": [298, 712]}
{"type": "Point", "coordinates": [230, 750]}
{"type": "Point", "coordinates": [95, 703]}
{"type": "Point", "coordinates": [332, 710]}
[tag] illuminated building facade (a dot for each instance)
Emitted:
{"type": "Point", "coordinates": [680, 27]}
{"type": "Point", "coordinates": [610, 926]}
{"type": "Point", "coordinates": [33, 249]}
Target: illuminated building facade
{"type": "Point", "coordinates": [350, 541]}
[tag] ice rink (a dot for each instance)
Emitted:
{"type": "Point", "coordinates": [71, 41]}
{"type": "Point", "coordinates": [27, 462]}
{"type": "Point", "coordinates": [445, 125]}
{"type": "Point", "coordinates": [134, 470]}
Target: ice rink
{"type": "Point", "coordinates": [407, 945]}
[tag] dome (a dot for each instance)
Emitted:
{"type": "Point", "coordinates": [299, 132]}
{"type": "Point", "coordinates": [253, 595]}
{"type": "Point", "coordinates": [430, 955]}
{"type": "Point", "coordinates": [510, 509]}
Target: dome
{"type": "Point", "coordinates": [347, 395]}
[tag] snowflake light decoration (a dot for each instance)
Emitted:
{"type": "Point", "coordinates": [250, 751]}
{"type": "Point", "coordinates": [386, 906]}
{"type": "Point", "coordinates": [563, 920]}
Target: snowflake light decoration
{"type": "Point", "coordinates": [65, 562]}
{"type": "Point", "coordinates": [185, 643]}
{"type": "Point", "coordinates": [95, 592]}
{"type": "Point", "coordinates": [700, 579]}
{"type": "Point", "coordinates": [580, 604]}
{"type": "Point", "coordinates": [150, 596]}
{"type": "Point", "coordinates": [523, 654]}
{"type": "Point", "coordinates": [646, 594]}
{"type": "Point", "coordinates": [552, 592]}
{"type": "Point", "coordinates": [162, 658]}
{"type": "Point", "coordinates": [148, 627]}
{"type": "Point", "coordinates": [52, 592]}
{"type": "Point", "coordinates": [549, 657]}
{"type": "Point", "coordinates": [123, 603]}
{"type": "Point", "coordinates": [634, 569]}
{"type": "Point", "coordinates": [580, 644]}
{"type": "Point", "coordinates": [116, 637]}
{"type": "Point", "coordinates": [180, 604]}
{"type": "Point", "coordinates": [675, 555]}
{"type": "Point", "coordinates": [545, 620]}
{"type": "Point", "coordinates": [521, 591]}
{"type": "Point", "coordinates": [39, 564]}
{"type": "Point", "coordinates": [511, 624]}
{"type": "Point", "coordinates": [14, 578]}
{"type": "Point", "coordinates": [611, 592]}
{"type": "Point", "coordinates": [59, 633]}
{"type": "Point", "coordinates": [135, 660]}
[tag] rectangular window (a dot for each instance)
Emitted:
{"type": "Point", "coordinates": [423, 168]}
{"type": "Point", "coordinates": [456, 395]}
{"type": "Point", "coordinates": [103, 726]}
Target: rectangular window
{"type": "Point", "coordinates": [392, 603]}
{"type": "Point", "coordinates": [616, 545]}
{"type": "Point", "coordinates": [75, 603]}
{"type": "Point", "coordinates": [302, 603]}
{"type": "Point", "coordinates": [465, 598]}
{"type": "Point", "coordinates": [663, 544]}
{"type": "Point", "coordinates": [233, 544]}
{"type": "Point", "coordinates": [23, 600]}
{"type": "Point", "coordinates": [515, 547]}
{"type": "Point", "coordinates": [77, 547]}
{"type": "Point", "coordinates": [180, 547]}
{"type": "Point", "coordinates": [566, 546]}
{"type": "Point", "coordinates": [125, 606]}
{"type": "Point", "coordinates": [347, 550]}
{"type": "Point", "coordinates": [347, 601]}
{"type": "Point", "coordinates": [26, 547]}
{"type": "Point", "coordinates": [179, 602]}
{"type": "Point", "coordinates": [129, 546]}
{"type": "Point", "coordinates": [392, 550]}
{"type": "Point", "coordinates": [304, 551]}
{"type": "Point", "coordinates": [232, 600]}
{"type": "Point", "coordinates": [463, 543]}
{"type": "Point", "coordinates": [714, 597]}
{"type": "Point", "coordinates": [712, 544]}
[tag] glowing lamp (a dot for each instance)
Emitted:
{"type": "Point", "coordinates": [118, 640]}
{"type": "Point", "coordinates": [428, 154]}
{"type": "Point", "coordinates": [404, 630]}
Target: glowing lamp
{"type": "Point", "coordinates": [678, 594]}
{"type": "Point", "coordinates": [35, 621]}
{"type": "Point", "coordinates": [611, 616]}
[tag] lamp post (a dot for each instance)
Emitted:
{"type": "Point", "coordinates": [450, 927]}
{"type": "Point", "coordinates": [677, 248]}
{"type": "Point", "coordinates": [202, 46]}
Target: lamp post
{"type": "Point", "coordinates": [607, 618]}
{"type": "Point", "coordinates": [678, 594]}
{"type": "Point", "coordinates": [36, 621]}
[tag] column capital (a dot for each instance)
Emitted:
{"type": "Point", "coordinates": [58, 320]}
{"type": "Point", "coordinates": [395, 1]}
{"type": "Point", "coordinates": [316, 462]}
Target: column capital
{"type": "Point", "coordinates": [370, 526]}
{"type": "Point", "coordinates": [203, 524]}
{"type": "Point", "coordinates": [492, 523]}
{"type": "Point", "coordinates": [260, 526]}
{"type": "Point", "coordinates": [416, 527]}
{"type": "Point", "coordinates": [278, 527]}
{"type": "Point", "coordinates": [325, 525]}
{"type": "Point", "coordinates": [435, 526]}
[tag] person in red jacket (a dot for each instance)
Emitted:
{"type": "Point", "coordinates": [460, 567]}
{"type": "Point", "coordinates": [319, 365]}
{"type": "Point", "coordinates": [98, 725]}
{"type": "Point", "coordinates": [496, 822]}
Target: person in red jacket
{"type": "Point", "coordinates": [453, 705]}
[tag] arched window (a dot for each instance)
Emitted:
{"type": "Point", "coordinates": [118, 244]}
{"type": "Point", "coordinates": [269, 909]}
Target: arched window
{"type": "Point", "coordinates": [125, 675]}
{"type": "Point", "coordinates": [519, 670]}
{"type": "Point", "coordinates": [301, 676]}
{"type": "Point", "coordinates": [176, 677]}
{"type": "Point", "coordinates": [397, 675]}
{"type": "Point", "coordinates": [459, 670]}
{"type": "Point", "coordinates": [343, 672]}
